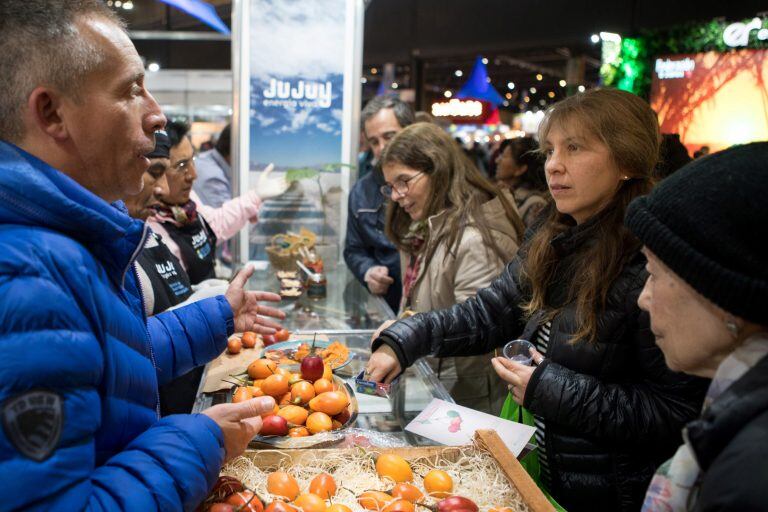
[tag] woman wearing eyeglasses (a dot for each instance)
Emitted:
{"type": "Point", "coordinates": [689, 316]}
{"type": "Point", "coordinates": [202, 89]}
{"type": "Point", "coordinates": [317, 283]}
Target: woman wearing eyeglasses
{"type": "Point", "coordinates": [191, 229]}
{"type": "Point", "coordinates": [455, 232]}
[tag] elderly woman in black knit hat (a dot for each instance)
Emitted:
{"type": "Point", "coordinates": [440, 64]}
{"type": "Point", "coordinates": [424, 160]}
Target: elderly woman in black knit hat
{"type": "Point", "coordinates": [707, 295]}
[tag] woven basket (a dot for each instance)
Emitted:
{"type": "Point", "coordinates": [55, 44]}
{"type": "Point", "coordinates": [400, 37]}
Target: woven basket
{"type": "Point", "coordinates": [280, 259]}
{"type": "Point", "coordinates": [283, 253]}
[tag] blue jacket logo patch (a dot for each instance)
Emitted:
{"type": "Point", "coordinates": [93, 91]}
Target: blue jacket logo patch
{"type": "Point", "coordinates": [33, 422]}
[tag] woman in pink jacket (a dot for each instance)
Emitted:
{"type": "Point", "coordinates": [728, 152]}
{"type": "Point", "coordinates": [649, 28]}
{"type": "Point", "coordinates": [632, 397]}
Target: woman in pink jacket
{"type": "Point", "coordinates": [190, 229]}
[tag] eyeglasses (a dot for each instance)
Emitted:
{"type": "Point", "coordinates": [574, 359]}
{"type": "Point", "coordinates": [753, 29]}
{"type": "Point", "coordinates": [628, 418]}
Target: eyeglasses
{"type": "Point", "coordinates": [183, 166]}
{"type": "Point", "coordinates": [400, 186]}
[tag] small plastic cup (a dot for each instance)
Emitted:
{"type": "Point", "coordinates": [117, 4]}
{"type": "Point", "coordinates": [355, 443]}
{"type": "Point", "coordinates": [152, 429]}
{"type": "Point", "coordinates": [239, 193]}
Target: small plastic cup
{"type": "Point", "coordinates": [519, 351]}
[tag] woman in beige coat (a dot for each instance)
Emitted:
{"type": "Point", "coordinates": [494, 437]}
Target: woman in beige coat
{"type": "Point", "coordinates": [455, 231]}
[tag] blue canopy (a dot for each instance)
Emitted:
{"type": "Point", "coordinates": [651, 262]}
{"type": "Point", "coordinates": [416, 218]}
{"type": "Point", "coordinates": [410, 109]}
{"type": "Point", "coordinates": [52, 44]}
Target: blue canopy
{"type": "Point", "coordinates": [203, 11]}
{"type": "Point", "coordinates": [477, 86]}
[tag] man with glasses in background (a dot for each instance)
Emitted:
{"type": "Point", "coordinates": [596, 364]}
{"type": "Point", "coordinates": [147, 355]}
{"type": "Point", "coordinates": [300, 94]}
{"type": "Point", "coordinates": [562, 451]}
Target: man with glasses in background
{"type": "Point", "coordinates": [371, 257]}
{"type": "Point", "coordinates": [192, 229]}
{"type": "Point", "coordinates": [186, 233]}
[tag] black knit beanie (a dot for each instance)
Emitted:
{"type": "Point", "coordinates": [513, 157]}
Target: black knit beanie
{"type": "Point", "coordinates": [708, 222]}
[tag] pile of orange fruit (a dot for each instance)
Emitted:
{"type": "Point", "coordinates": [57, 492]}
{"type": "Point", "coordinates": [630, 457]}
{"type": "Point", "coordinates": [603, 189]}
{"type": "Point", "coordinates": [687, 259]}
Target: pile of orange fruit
{"type": "Point", "coordinates": [285, 495]}
{"type": "Point", "coordinates": [288, 498]}
{"type": "Point", "coordinates": [303, 407]}
{"type": "Point", "coordinates": [404, 495]}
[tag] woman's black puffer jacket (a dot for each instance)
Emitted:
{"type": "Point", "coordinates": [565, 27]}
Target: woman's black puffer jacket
{"type": "Point", "coordinates": [613, 410]}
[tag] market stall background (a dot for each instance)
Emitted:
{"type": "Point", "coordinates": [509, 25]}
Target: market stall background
{"type": "Point", "coordinates": [425, 50]}
{"type": "Point", "coordinates": [428, 40]}
{"type": "Point", "coordinates": [428, 52]}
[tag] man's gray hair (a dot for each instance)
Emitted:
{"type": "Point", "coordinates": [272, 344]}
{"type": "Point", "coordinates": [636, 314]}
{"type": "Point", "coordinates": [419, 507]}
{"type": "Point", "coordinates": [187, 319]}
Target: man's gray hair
{"type": "Point", "coordinates": [403, 111]}
{"type": "Point", "coordinates": [40, 44]}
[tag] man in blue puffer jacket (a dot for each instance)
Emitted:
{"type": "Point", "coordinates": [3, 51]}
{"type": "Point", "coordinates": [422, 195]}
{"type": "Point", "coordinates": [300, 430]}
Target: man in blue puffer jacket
{"type": "Point", "coordinates": [79, 362]}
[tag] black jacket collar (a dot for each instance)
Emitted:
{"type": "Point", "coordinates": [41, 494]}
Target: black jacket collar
{"type": "Point", "coordinates": [573, 238]}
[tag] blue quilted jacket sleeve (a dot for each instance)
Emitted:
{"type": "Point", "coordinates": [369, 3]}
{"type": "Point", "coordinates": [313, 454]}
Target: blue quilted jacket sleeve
{"type": "Point", "coordinates": [163, 469]}
{"type": "Point", "coordinates": [190, 336]}
{"type": "Point", "coordinates": [50, 345]}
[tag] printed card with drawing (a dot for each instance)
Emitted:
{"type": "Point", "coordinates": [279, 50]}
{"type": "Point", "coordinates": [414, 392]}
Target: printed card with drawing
{"type": "Point", "coordinates": [454, 425]}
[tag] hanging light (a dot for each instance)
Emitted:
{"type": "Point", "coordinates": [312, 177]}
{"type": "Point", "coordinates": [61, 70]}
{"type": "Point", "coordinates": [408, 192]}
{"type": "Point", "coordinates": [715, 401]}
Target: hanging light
{"type": "Point", "coordinates": [582, 88]}
{"type": "Point", "coordinates": [551, 94]}
{"type": "Point", "coordinates": [153, 67]}
{"type": "Point", "coordinates": [595, 38]}
{"type": "Point", "coordinates": [363, 80]}
{"type": "Point", "coordinates": [539, 77]}
{"type": "Point", "coordinates": [447, 94]}
{"type": "Point", "coordinates": [610, 37]}
{"type": "Point", "coordinates": [485, 61]}
{"type": "Point", "coordinates": [533, 90]}
{"type": "Point", "coordinates": [374, 71]}
{"type": "Point", "coordinates": [510, 85]}
{"type": "Point", "coordinates": [459, 73]}
{"type": "Point", "coordinates": [563, 83]}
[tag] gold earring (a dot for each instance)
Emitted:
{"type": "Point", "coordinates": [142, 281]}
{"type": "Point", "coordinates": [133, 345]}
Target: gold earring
{"type": "Point", "coordinates": [625, 178]}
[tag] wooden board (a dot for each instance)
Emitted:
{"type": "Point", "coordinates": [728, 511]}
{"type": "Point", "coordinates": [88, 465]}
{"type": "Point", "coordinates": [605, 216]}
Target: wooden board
{"type": "Point", "coordinates": [515, 473]}
{"type": "Point", "coordinates": [487, 440]}
{"type": "Point", "coordinates": [220, 369]}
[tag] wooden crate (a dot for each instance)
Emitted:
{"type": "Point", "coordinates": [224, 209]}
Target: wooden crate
{"type": "Point", "coordinates": [487, 440]}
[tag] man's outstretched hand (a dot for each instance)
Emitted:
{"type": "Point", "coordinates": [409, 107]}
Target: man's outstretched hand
{"type": "Point", "coordinates": [249, 314]}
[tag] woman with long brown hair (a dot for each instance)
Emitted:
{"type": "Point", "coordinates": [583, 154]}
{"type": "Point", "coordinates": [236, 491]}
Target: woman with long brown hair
{"type": "Point", "coordinates": [606, 408]}
{"type": "Point", "coordinates": [455, 232]}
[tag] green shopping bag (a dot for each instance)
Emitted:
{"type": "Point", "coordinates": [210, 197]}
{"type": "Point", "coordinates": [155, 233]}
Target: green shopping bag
{"type": "Point", "coordinates": [513, 412]}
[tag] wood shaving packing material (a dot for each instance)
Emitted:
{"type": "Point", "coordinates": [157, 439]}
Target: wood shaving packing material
{"type": "Point", "coordinates": [475, 475]}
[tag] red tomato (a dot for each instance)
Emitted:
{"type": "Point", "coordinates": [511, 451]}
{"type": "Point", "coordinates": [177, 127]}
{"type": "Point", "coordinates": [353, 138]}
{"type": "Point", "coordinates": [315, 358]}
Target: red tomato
{"type": "Point", "coordinates": [269, 339]}
{"type": "Point", "coordinates": [282, 335]}
{"type": "Point", "coordinates": [249, 339]}
{"type": "Point", "coordinates": [234, 346]}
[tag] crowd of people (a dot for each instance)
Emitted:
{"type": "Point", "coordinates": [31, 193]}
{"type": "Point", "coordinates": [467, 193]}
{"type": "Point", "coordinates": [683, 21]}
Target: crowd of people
{"type": "Point", "coordinates": [645, 301]}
